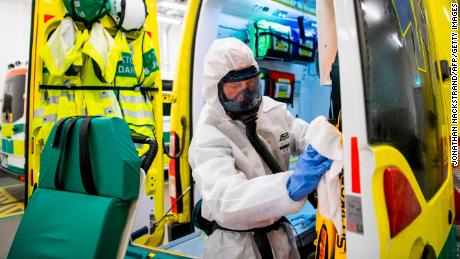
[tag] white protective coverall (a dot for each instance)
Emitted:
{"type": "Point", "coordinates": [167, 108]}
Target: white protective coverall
{"type": "Point", "coordinates": [237, 188]}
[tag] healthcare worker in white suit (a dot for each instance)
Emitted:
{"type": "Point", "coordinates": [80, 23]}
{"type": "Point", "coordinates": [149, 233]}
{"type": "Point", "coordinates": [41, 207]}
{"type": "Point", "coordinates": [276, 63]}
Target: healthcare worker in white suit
{"type": "Point", "coordinates": [240, 157]}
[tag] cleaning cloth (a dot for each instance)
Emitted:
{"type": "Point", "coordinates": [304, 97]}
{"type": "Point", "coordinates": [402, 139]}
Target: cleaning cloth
{"type": "Point", "coordinates": [326, 139]}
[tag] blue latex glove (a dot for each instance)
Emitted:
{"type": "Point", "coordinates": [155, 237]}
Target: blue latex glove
{"type": "Point", "coordinates": [310, 167]}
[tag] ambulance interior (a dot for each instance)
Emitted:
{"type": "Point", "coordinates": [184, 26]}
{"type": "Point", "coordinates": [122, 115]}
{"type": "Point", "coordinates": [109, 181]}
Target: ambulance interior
{"type": "Point", "coordinates": [315, 79]}
{"type": "Point", "coordinates": [285, 36]}
{"type": "Point", "coordinates": [265, 25]}
{"type": "Point", "coordinates": [285, 64]}
{"type": "Point", "coordinates": [289, 66]}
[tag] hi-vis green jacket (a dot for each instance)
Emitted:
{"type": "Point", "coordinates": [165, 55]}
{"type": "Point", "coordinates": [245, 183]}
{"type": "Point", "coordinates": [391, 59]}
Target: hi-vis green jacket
{"type": "Point", "coordinates": [63, 61]}
{"type": "Point", "coordinates": [137, 66]}
{"type": "Point", "coordinates": [76, 58]}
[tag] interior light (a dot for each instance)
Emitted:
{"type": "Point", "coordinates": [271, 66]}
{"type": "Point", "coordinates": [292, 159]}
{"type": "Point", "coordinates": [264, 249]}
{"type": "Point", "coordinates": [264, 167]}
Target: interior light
{"type": "Point", "coordinates": [280, 13]}
{"type": "Point", "coordinates": [173, 5]}
{"type": "Point", "coordinates": [165, 19]}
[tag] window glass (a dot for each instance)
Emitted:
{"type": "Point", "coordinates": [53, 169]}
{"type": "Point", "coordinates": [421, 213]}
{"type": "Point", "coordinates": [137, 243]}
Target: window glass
{"type": "Point", "coordinates": [13, 99]}
{"type": "Point", "coordinates": [404, 106]}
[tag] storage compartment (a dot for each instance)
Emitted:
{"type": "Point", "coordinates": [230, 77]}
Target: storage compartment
{"type": "Point", "coordinates": [270, 40]}
{"type": "Point", "coordinates": [303, 51]}
{"type": "Point", "coordinates": [282, 86]}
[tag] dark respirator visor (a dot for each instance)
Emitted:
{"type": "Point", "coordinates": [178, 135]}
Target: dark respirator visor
{"type": "Point", "coordinates": [239, 91]}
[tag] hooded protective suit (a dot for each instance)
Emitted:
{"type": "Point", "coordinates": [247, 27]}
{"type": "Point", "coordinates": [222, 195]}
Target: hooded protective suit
{"type": "Point", "coordinates": [238, 190]}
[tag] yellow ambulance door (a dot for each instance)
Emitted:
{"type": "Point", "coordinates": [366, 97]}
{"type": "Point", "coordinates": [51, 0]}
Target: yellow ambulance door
{"type": "Point", "coordinates": [398, 181]}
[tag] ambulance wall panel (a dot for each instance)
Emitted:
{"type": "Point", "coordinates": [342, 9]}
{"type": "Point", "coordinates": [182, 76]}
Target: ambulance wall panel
{"type": "Point", "coordinates": [233, 26]}
{"type": "Point", "coordinates": [310, 100]}
{"type": "Point", "coordinates": [313, 99]}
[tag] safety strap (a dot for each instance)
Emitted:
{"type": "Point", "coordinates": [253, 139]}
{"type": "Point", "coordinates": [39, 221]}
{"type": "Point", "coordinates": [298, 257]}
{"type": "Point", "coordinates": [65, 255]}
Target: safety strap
{"type": "Point", "coordinates": [266, 229]}
{"type": "Point", "coordinates": [57, 135]}
{"type": "Point", "coordinates": [86, 170]}
{"type": "Point", "coordinates": [260, 236]}
{"type": "Point", "coordinates": [263, 244]}
{"type": "Point", "coordinates": [55, 144]}
{"type": "Point", "coordinates": [57, 175]}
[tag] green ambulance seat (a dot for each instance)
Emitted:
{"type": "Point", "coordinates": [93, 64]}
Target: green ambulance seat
{"type": "Point", "coordinates": [89, 182]}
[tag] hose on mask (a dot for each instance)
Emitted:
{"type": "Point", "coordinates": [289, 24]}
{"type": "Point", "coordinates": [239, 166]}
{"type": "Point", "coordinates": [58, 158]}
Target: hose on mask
{"type": "Point", "coordinates": [261, 235]}
{"type": "Point", "coordinates": [251, 133]}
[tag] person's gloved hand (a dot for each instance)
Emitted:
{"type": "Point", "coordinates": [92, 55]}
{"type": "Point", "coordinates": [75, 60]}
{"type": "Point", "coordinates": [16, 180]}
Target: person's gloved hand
{"type": "Point", "coordinates": [310, 167]}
